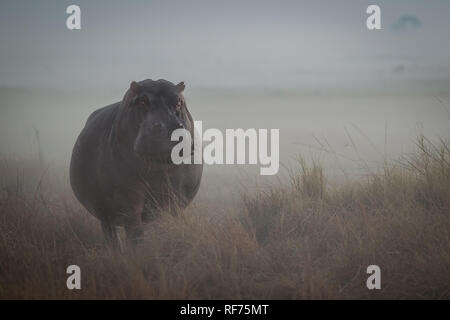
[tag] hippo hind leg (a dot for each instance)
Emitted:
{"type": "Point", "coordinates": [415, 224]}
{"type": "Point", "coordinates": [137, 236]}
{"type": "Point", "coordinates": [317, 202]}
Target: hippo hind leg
{"type": "Point", "coordinates": [111, 233]}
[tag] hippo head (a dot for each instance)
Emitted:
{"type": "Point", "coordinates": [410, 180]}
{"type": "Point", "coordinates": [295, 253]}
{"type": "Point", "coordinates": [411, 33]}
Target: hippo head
{"type": "Point", "coordinates": [153, 110]}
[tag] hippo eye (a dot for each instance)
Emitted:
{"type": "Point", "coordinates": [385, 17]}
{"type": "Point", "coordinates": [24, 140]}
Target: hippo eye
{"type": "Point", "coordinates": [143, 101]}
{"type": "Point", "coordinates": [178, 107]}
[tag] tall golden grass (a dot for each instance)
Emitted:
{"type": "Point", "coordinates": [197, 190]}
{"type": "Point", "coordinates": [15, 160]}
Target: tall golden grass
{"type": "Point", "coordinates": [301, 240]}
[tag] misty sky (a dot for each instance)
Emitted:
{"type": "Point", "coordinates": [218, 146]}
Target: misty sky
{"type": "Point", "coordinates": [219, 43]}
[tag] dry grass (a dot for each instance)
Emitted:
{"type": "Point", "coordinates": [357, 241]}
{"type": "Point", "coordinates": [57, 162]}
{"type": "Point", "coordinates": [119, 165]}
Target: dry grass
{"type": "Point", "coordinates": [303, 240]}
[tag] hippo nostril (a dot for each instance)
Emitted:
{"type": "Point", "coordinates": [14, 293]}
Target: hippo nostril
{"type": "Point", "coordinates": [177, 126]}
{"type": "Point", "coordinates": [156, 126]}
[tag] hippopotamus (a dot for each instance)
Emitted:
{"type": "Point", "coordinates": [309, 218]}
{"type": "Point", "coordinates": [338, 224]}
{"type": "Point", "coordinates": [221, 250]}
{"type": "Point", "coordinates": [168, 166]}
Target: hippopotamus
{"type": "Point", "coordinates": [121, 169]}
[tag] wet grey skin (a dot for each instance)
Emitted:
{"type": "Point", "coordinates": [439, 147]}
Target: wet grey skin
{"type": "Point", "coordinates": [121, 170]}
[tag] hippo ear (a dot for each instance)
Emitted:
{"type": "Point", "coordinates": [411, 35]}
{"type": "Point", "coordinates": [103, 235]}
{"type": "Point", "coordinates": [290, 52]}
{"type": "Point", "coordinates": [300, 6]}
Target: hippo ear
{"type": "Point", "coordinates": [135, 87]}
{"type": "Point", "coordinates": [180, 87]}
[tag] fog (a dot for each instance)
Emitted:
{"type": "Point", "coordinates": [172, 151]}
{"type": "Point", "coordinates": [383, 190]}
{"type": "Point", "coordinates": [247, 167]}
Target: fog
{"type": "Point", "coordinates": [346, 132]}
{"type": "Point", "coordinates": [212, 43]}
{"type": "Point", "coordinates": [337, 91]}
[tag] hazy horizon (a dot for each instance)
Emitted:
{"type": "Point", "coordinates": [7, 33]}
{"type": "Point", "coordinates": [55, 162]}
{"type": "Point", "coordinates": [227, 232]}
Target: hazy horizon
{"type": "Point", "coordinates": [232, 44]}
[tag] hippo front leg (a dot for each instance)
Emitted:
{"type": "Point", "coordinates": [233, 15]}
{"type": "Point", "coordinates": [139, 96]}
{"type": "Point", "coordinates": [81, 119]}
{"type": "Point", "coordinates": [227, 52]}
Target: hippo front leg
{"type": "Point", "coordinates": [134, 233]}
{"type": "Point", "coordinates": [111, 235]}
{"type": "Point", "coordinates": [134, 226]}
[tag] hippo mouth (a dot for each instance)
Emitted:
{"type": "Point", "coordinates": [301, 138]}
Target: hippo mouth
{"type": "Point", "coordinates": [158, 158]}
{"type": "Point", "coordinates": [156, 150]}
